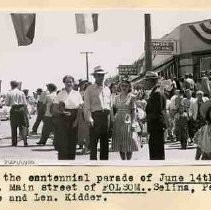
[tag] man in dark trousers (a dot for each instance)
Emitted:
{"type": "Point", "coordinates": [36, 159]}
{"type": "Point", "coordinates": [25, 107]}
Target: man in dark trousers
{"type": "Point", "coordinates": [97, 106]}
{"type": "Point", "coordinates": [40, 110]}
{"type": "Point", "coordinates": [17, 100]}
{"type": "Point", "coordinates": [156, 121]}
{"type": "Point", "coordinates": [48, 126]}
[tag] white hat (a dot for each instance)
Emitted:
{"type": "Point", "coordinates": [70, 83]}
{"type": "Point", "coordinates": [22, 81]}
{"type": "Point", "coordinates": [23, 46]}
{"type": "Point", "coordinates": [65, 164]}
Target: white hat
{"type": "Point", "coordinates": [151, 75]}
{"type": "Point", "coordinates": [99, 70]}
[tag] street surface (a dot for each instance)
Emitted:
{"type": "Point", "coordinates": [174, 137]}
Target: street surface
{"type": "Point", "coordinates": [47, 152]}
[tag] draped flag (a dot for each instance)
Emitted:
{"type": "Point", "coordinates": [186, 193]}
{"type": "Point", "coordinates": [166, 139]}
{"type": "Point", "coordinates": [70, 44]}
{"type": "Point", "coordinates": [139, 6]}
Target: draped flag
{"type": "Point", "coordinates": [86, 23]}
{"type": "Point", "coordinates": [24, 25]}
{"type": "Point", "coordinates": [202, 30]}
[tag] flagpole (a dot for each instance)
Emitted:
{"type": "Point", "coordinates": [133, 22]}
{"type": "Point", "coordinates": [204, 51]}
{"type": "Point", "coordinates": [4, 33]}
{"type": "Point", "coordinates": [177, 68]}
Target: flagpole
{"type": "Point", "coordinates": [87, 63]}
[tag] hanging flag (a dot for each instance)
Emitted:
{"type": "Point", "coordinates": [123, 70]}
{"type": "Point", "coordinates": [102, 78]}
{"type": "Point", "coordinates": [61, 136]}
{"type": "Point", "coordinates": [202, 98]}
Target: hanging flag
{"type": "Point", "coordinates": [202, 30]}
{"type": "Point", "coordinates": [86, 23]}
{"type": "Point", "coordinates": [24, 25]}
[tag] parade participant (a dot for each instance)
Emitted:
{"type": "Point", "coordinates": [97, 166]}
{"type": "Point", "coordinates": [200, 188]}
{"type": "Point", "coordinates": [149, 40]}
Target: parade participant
{"type": "Point", "coordinates": [40, 110]}
{"type": "Point", "coordinates": [203, 136]}
{"type": "Point", "coordinates": [156, 123]}
{"type": "Point", "coordinates": [48, 126]}
{"type": "Point", "coordinates": [205, 87]}
{"type": "Point", "coordinates": [17, 100]}
{"type": "Point", "coordinates": [66, 106]}
{"type": "Point", "coordinates": [97, 106]}
{"type": "Point", "coordinates": [175, 102]}
{"type": "Point", "coordinates": [114, 88]}
{"type": "Point", "coordinates": [189, 82]}
{"type": "Point", "coordinates": [187, 102]}
{"type": "Point", "coordinates": [83, 127]}
{"type": "Point", "coordinates": [181, 127]}
{"type": "Point", "coordinates": [195, 114]}
{"type": "Point", "coordinates": [27, 113]}
{"type": "Point", "coordinates": [124, 118]}
{"type": "Point", "coordinates": [141, 103]}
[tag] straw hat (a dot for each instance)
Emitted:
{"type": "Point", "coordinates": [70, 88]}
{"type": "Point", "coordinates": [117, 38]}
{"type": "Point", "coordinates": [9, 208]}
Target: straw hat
{"type": "Point", "coordinates": [204, 108]}
{"type": "Point", "coordinates": [98, 70]}
{"type": "Point", "coordinates": [151, 75]}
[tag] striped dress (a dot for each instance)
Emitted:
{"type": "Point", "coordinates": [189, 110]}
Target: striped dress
{"type": "Point", "coordinates": [122, 139]}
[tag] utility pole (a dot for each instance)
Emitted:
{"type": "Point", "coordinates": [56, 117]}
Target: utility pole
{"type": "Point", "coordinates": [87, 63]}
{"type": "Point", "coordinates": [148, 50]}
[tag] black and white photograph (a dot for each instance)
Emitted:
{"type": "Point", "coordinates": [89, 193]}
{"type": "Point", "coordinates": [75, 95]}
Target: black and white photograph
{"type": "Point", "coordinates": [105, 85]}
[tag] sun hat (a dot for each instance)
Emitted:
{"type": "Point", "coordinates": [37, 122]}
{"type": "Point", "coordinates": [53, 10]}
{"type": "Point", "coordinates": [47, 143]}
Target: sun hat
{"type": "Point", "coordinates": [98, 70]}
{"type": "Point", "coordinates": [151, 75]}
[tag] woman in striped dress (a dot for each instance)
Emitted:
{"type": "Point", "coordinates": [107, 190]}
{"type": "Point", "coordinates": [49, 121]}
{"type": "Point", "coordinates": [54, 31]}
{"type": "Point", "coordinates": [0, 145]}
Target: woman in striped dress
{"type": "Point", "coordinates": [124, 110]}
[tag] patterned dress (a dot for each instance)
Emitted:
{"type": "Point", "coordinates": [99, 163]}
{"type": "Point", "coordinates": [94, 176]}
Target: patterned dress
{"type": "Point", "coordinates": [122, 134]}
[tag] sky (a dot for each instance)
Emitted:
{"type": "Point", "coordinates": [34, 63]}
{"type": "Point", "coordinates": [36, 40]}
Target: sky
{"type": "Point", "coordinates": [56, 48]}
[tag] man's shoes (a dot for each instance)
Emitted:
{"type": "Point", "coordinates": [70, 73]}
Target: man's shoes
{"type": "Point", "coordinates": [26, 144]}
{"type": "Point", "coordinates": [40, 143]}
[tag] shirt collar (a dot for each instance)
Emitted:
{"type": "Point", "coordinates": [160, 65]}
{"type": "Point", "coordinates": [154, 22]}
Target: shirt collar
{"type": "Point", "coordinates": [98, 86]}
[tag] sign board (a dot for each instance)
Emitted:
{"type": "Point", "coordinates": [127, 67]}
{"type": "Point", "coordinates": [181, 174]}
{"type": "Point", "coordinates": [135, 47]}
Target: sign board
{"type": "Point", "coordinates": [127, 70]}
{"type": "Point", "coordinates": [163, 47]}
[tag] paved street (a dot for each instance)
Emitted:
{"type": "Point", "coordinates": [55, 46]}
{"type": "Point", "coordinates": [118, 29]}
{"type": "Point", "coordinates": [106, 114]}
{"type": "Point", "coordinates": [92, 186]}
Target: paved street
{"type": "Point", "coordinates": [47, 153]}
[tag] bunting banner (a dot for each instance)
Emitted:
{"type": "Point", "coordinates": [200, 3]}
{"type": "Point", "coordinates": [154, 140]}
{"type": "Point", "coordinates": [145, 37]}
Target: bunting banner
{"type": "Point", "coordinates": [24, 25]}
{"type": "Point", "coordinates": [202, 30]}
{"type": "Point", "coordinates": [86, 23]}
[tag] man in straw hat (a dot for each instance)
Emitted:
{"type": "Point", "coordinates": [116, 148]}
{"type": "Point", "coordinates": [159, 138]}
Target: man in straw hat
{"type": "Point", "coordinates": [156, 123]}
{"type": "Point", "coordinates": [97, 106]}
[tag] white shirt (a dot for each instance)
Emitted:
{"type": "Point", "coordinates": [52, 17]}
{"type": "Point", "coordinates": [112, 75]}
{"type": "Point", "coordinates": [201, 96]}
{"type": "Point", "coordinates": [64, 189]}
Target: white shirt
{"type": "Point", "coordinates": [72, 100]}
{"type": "Point", "coordinates": [15, 97]}
{"type": "Point", "coordinates": [49, 101]}
{"type": "Point", "coordinates": [96, 98]}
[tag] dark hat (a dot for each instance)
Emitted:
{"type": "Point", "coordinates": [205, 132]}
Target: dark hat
{"type": "Point", "coordinates": [14, 82]}
{"type": "Point", "coordinates": [51, 86]}
{"type": "Point", "coordinates": [82, 82]}
{"type": "Point", "coordinates": [25, 90]}
{"type": "Point", "coordinates": [39, 90]}
{"type": "Point", "coordinates": [99, 70]}
{"type": "Point", "coordinates": [151, 75]}
{"type": "Point", "coordinates": [204, 108]}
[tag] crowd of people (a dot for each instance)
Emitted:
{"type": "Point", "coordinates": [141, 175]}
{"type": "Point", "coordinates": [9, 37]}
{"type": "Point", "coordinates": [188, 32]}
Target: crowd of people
{"type": "Point", "coordinates": [120, 115]}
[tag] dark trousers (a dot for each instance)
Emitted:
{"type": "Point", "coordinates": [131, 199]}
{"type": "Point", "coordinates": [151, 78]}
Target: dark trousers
{"type": "Point", "coordinates": [66, 136]}
{"type": "Point", "coordinates": [18, 120]}
{"type": "Point", "coordinates": [100, 130]}
{"type": "Point", "coordinates": [48, 127]}
{"type": "Point", "coordinates": [55, 120]}
{"type": "Point", "coordinates": [156, 145]}
{"type": "Point", "coordinates": [40, 116]}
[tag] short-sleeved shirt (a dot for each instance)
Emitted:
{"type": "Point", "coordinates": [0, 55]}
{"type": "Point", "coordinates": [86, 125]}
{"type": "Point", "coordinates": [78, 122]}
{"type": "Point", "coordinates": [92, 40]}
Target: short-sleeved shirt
{"type": "Point", "coordinates": [71, 100]}
{"type": "Point", "coordinates": [15, 97]}
{"type": "Point", "coordinates": [50, 98]}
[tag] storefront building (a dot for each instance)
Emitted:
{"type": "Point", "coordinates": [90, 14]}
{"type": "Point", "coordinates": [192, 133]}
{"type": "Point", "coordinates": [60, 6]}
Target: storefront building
{"type": "Point", "coordinates": [192, 55]}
